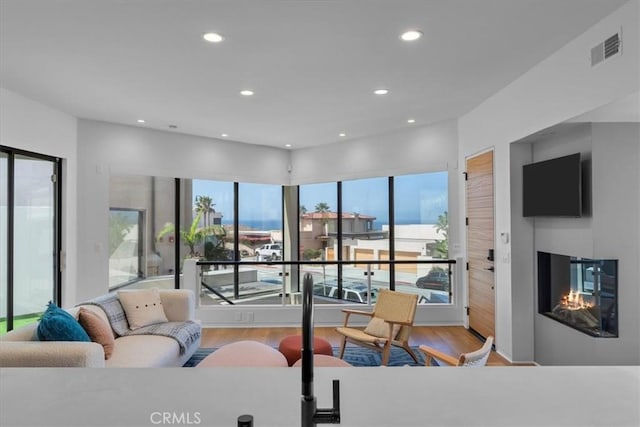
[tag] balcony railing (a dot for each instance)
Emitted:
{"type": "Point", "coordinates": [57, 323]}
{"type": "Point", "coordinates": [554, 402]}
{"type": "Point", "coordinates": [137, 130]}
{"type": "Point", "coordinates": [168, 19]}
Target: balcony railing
{"type": "Point", "coordinates": [335, 282]}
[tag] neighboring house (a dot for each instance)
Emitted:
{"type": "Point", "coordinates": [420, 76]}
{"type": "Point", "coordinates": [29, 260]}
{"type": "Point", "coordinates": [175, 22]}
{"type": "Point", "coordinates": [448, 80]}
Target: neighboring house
{"type": "Point", "coordinates": [319, 229]}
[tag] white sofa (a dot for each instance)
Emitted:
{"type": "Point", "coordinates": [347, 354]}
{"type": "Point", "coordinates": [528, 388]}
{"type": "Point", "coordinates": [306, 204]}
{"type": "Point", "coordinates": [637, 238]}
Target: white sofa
{"type": "Point", "coordinates": [19, 348]}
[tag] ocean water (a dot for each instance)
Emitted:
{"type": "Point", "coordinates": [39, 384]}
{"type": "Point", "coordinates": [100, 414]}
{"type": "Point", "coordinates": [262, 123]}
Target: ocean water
{"type": "Point", "coordinates": [277, 224]}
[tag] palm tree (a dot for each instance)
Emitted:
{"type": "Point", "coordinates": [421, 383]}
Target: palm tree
{"type": "Point", "coordinates": [205, 205]}
{"type": "Point", "coordinates": [322, 207]}
{"type": "Point", "coordinates": [303, 210]}
{"type": "Point", "coordinates": [442, 226]}
{"type": "Point", "coordinates": [194, 235]}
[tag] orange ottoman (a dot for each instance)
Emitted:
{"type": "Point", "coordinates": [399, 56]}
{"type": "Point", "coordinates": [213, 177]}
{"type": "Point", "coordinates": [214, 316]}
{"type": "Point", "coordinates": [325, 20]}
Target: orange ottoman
{"type": "Point", "coordinates": [291, 347]}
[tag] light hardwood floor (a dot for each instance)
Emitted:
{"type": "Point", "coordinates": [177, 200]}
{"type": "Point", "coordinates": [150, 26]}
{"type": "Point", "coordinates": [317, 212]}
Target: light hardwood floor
{"type": "Point", "coordinates": [449, 339]}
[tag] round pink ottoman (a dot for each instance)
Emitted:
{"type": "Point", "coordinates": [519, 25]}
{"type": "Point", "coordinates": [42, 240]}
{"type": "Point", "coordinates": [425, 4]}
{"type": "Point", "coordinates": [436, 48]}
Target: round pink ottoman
{"type": "Point", "coordinates": [322, 360]}
{"type": "Point", "coordinates": [244, 353]}
{"type": "Point", "coordinates": [291, 347]}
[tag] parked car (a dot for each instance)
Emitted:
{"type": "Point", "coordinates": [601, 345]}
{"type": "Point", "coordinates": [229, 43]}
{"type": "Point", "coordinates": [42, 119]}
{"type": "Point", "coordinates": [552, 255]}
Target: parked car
{"type": "Point", "coordinates": [435, 279]}
{"type": "Point", "coordinates": [352, 293]}
{"type": "Point", "coordinates": [357, 293]}
{"type": "Point", "coordinates": [269, 251]}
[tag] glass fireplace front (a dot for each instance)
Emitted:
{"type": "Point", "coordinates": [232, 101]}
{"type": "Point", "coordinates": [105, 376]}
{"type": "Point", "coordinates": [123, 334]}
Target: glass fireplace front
{"type": "Point", "coordinates": [581, 293]}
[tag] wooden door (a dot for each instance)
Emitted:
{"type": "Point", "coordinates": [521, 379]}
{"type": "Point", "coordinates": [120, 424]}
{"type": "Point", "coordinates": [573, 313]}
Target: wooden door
{"type": "Point", "coordinates": [480, 243]}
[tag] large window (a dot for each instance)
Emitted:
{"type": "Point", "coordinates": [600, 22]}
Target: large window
{"type": "Point", "coordinates": [140, 254]}
{"type": "Point", "coordinates": [213, 223]}
{"type": "Point", "coordinates": [260, 228]}
{"type": "Point", "coordinates": [365, 234]}
{"type": "Point", "coordinates": [360, 236]}
{"type": "Point", "coordinates": [125, 246]}
{"type": "Point", "coordinates": [421, 233]}
{"type": "Point", "coordinates": [317, 236]}
{"type": "Point", "coordinates": [406, 232]}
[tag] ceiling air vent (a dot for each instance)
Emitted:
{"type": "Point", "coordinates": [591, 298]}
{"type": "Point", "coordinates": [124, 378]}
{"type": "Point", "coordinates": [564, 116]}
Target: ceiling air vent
{"type": "Point", "coordinates": [606, 49]}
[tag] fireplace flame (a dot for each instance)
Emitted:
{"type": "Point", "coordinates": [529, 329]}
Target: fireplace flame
{"type": "Point", "coordinates": [574, 301]}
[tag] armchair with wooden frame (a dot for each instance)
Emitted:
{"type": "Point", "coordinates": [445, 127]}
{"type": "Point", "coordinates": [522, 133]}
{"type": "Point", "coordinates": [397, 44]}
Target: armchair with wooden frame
{"type": "Point", "coordinates": [390, 324]}
{"type": "Point", "coordinates": [474, 358]}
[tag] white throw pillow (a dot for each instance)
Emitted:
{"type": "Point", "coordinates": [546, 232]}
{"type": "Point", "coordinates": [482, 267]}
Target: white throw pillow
{"type": "Point", "coordinates": [142, 307]}
{"type": "Point", "coordinates": [379, 328]}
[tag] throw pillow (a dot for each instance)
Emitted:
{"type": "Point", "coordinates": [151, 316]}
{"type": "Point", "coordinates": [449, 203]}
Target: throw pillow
{"type": "Point", "coordinates": [379, 328]}
{"type": "Point", "coordinates": [58, 325]}
{"type": "Point", "coordinates": [98, 330]}
{"type": "Point", "coordinates": [142, 307]}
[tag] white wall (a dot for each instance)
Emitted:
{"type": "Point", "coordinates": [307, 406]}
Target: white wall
{"type": "Point", "coordinates": [105, 148]}
{"type": "Point", "coordinates": [411, 150]}
{"type": "Point", "coordinates": [559, 88]}
{"type": "Point", "coordinates": [31, 126]}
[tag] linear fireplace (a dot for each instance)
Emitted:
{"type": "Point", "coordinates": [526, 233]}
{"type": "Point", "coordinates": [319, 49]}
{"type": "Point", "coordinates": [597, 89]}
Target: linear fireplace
{"type": "Point", "coordinates": [581, 293]}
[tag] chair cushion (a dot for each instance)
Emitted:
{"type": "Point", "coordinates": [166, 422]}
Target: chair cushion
{"type": "Point", "coordinates": [58, 325]}
{"type": "Point", "coordinates": [98, 330]}
{"type": "Point", "coordinates": [379, 328]}
{"type": "Point", "coordinates": [142, 307]}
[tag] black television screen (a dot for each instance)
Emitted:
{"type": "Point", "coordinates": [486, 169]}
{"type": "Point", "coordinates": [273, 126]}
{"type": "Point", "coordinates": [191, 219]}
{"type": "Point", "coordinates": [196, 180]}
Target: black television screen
{"type": "Point", "coordinates": [553, 187]}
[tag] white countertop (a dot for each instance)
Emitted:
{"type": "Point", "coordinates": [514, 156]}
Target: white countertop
{"type": "Point", "coordinates": [398, 396]}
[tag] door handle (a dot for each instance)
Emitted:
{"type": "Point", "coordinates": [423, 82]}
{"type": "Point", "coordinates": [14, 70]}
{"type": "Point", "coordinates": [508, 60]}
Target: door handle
{"type": "Point", "coordinates": [490, 269]}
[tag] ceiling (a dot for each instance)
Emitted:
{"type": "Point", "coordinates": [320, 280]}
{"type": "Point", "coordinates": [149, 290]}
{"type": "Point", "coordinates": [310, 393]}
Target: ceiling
{"type": "Point", "coordinates": [313, 64]}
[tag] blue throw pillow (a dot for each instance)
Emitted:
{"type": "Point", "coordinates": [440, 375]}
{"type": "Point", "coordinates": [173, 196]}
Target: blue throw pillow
{"type": "Point", "coordinates": [58, 325]}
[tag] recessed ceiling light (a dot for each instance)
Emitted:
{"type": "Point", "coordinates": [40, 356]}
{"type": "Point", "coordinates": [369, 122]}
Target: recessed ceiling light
{"type": "Point", "coordinates": [287, 145]}
{"type": "Point", "coordinates": [224, 135]}
{"type": "Point", "coordinates": [140, 120]}
{"type": "Point", "coordinates": [381, 91]}
{"type": "Point", "coordinates": [173, 127]}
{"type": "Point", "coordinates": [411, 35]}
{"type": "Point", "coordinates": [213, 37]}
{"type": "Point", "coordinates": [342, 134]}
{"type": "Point", "coordinates": [246, 92]}
{"type": "Point", "coordinates": [411, 121]}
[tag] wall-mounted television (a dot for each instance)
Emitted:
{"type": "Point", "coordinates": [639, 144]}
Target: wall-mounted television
{"type": "Point", "coordinates": [553, 188]}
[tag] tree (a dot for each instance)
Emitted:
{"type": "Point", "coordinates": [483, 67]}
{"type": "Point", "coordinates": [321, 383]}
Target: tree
{"type": "Point", "coordinates": [205, 205]}
{"type": "Point", "coordinates": [303, 210]}
{"type": "Point", "coordinates": [322, 207]}
{"type": "Point", "coordinates": [442, 226]}
{"type": "Point", "coordinates": [194, 235]}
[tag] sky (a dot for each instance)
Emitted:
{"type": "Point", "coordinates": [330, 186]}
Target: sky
{"type": "Point", "coordinates": [419, 198]}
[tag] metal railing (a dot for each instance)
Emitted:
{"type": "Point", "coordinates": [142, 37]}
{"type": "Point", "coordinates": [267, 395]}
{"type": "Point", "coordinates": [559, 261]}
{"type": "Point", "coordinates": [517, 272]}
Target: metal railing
{"type": "Point", "coordinates": [338, 288]}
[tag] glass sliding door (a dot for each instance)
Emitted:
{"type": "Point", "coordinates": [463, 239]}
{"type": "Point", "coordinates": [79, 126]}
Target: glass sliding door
{"type": "Point", "coordinates": [30, 236]}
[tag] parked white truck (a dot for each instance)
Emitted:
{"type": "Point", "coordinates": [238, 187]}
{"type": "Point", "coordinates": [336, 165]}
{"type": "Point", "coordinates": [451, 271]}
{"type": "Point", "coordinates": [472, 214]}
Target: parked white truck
{"type": "Point", "coordinates": [269, 252]}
